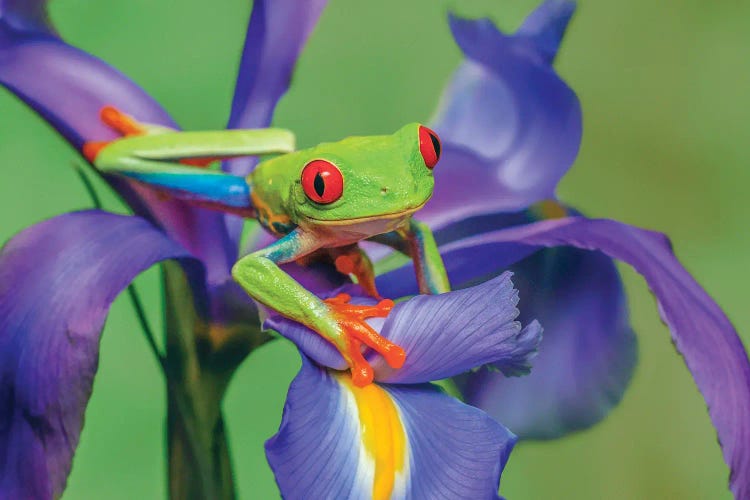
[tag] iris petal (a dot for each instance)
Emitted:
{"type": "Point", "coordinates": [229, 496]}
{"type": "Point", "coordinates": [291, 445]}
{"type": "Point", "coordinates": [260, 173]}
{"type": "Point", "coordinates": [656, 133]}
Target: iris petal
{"type": "Point", "coordinates": [588, 354]}
{"type": "Point", "coordinates": [448, 334]}
{"type": "Point", "coordinates": [507, 116]}
{"type": "Point", "coordinates": [443, 335]}
{"type": "Point", "coordinates": [700, 330]}
{"type": "Point", "coordinates": [275, 37]}
{"type": "Point", "coordinates": [57, 281]}
{"type": "Point", "coordinates": [339, 441]}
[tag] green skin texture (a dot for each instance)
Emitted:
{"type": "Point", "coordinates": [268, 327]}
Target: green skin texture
{"type": "Point", "coordinates": [385, 182]}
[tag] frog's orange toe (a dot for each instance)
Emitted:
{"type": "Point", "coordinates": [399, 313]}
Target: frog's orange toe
{"type": "Point", "coordinates": [120, 122]}
{"type": "Point", "coordinates": [395, 356]}
{"type": "Point", "coordinates": [362, 372]}
{"type": "Point", "coordinates": [351, 319]}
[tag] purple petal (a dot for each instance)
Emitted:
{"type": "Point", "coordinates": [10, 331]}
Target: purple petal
{"type": "Point", "coordinates": [68, 88]}
{"type": "Point", "coordinates": [546, 26]}
{"type": "Point", "coordinates": [277, 32]}
{"type": "Point", "coordinates": [57, 281]}
{"type": "Point", "coordinates": [26, 15]}
{"type": "Point", "coordinates": [586, 359]}
{"type": "Point", "coordinates": [700, 330]}
{"type": "Point", "coordinates": [444, 335]}
{"type": "Point", "coordinates": [429, 444]}
{"type": "Point", "coordinates": [457, 451]}
{"type": "Point", "coordinates": [65, 85]}
{"type": "Point", "coordinates": [510, 126]}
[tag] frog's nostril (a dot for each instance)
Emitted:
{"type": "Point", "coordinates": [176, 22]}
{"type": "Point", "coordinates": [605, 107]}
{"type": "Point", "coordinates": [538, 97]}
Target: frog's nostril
{"type": "Point", "coordinates": [383, 190]}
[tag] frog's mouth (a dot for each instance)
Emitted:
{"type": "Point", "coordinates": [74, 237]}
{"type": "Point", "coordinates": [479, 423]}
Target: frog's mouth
{"type": "Point", "coordinates": [370, 218]}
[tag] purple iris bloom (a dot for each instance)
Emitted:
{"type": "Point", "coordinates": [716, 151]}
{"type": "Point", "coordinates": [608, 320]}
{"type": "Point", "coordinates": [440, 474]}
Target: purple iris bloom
{"type": "Point", "coordinates": [58, 279]}
{"type": "Point", "coordinates": [402, 437]}
{"type": "Point", "coordinates": [510, 129]}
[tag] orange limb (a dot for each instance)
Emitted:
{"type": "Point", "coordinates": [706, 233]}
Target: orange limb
{"type": "Point", "coordinates": [351, 319]}
{"type": "Point", "coordinates": [120, 122]}
{"type": "Point", "coordinates": [117, 121]}
{"type": "Point", "coordinates": [352, 260]}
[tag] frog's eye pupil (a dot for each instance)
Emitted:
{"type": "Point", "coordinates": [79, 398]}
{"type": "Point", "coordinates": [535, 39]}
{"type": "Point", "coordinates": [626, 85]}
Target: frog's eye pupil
{"type": "Point", "coordinates": [319, 184]}
{"type": "Point", "coordinates": [322, 181]}
{"type": "Point", "coordinates": [429, 146]}
{"type": "Point", "coordinates": [435, 144]}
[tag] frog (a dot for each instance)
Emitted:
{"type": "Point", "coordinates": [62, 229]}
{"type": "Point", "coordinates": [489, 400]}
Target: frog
{"type": "Point", "coordinates": [320, 203]}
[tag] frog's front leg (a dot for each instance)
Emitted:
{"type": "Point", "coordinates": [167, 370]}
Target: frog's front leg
{"type": "Point", "coordinates": [416, 241]}
{"type": "Point", "coordinates": [336, 320]}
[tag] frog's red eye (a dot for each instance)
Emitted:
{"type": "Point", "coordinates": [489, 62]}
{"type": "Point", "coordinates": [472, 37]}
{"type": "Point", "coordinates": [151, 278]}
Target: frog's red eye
{"type": "Point", "coordinates": [429, 146]}
{"type": "Point", "coordinates": [322, 181]}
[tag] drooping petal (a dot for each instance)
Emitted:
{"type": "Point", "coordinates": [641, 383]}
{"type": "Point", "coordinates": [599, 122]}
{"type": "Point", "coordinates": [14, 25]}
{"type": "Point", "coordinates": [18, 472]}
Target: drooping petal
{"type": "Point", "coordinates": [340, 441]}
{"type": "Point", "coordinates": [68, 88]}
{"type": "Point", "coordinates": [700, 330]}
{"type": "Point", "coordinates": [510, 126]}
{"type": "Point", "coordinates": [65, 85]}
{"type": "Point", "coordinates": [586, 359]}
{"type": "Point", "coordinates": [275, 37]}
{"type": "Point", "coordinates": [443, 335]}
{"type": "Point", "coordinates": [57, 281]}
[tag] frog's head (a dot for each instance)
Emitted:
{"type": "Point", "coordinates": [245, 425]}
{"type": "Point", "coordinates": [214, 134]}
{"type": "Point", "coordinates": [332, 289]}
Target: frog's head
{"type": "Point", "coordinates": [370, 178]}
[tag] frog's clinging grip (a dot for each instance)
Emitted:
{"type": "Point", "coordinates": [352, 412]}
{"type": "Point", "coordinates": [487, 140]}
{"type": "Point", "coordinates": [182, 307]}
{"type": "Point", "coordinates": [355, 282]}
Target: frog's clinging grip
{"type": "Point", "coordinates": [339, 322]}
{"type": "Point", "coordinates": [320, 201]}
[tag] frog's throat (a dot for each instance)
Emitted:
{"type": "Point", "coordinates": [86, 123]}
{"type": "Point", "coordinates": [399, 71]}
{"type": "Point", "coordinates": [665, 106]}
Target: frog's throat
{"type": "Point", "coordinates": [369, 218]}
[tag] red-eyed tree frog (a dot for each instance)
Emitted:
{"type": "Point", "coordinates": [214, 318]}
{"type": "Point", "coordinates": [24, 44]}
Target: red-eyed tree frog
{"type": "Point", "coordinates": [320, 202]}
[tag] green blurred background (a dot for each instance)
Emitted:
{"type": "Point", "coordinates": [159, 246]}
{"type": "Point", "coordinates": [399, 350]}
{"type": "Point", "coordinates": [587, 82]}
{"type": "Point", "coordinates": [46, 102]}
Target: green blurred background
{"type": "Point", "coordinates": [666, 127]}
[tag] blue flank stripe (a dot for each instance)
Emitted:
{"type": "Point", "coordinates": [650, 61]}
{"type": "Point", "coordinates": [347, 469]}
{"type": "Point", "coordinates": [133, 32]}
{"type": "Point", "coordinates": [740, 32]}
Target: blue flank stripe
{"type": "Point", "coordinates": [227, 189]}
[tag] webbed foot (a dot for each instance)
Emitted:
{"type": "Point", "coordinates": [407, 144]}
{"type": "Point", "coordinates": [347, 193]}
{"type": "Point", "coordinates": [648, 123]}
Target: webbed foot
{"type": "Point", "coordinates": [355, 332]}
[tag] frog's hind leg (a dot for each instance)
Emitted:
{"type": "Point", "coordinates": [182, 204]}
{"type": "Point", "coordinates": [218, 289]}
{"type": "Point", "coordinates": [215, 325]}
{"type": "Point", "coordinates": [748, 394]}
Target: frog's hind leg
{"type": "Point", "coordinates": [154, 142]}
{"type": "Point", "coordinates": [165, 160]}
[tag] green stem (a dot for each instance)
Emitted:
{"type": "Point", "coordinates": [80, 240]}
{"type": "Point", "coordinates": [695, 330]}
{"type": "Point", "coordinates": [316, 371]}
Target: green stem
{"type": "Point", "coordinates": [198, 454]}
{"type": "Point", "coordinates": [200, 361]}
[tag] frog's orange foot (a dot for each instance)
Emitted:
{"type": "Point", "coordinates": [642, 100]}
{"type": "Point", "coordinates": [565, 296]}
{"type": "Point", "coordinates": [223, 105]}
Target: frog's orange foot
{"type": "Point", "coordinates": [351, 319]}
{"type": "Point", "coordinates": [117, 121]}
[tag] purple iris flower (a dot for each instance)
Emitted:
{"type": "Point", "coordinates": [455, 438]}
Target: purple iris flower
{"type": "Point", "coordinates": [402, 437]}
{"type": "Point", "coordinates": [511, 128]}
{"type": "Point", "coordinates": [59, 277]}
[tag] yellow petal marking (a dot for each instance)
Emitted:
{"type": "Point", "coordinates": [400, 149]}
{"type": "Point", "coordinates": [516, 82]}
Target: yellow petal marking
{"type": "Point", "coordinates": [383, 435]}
